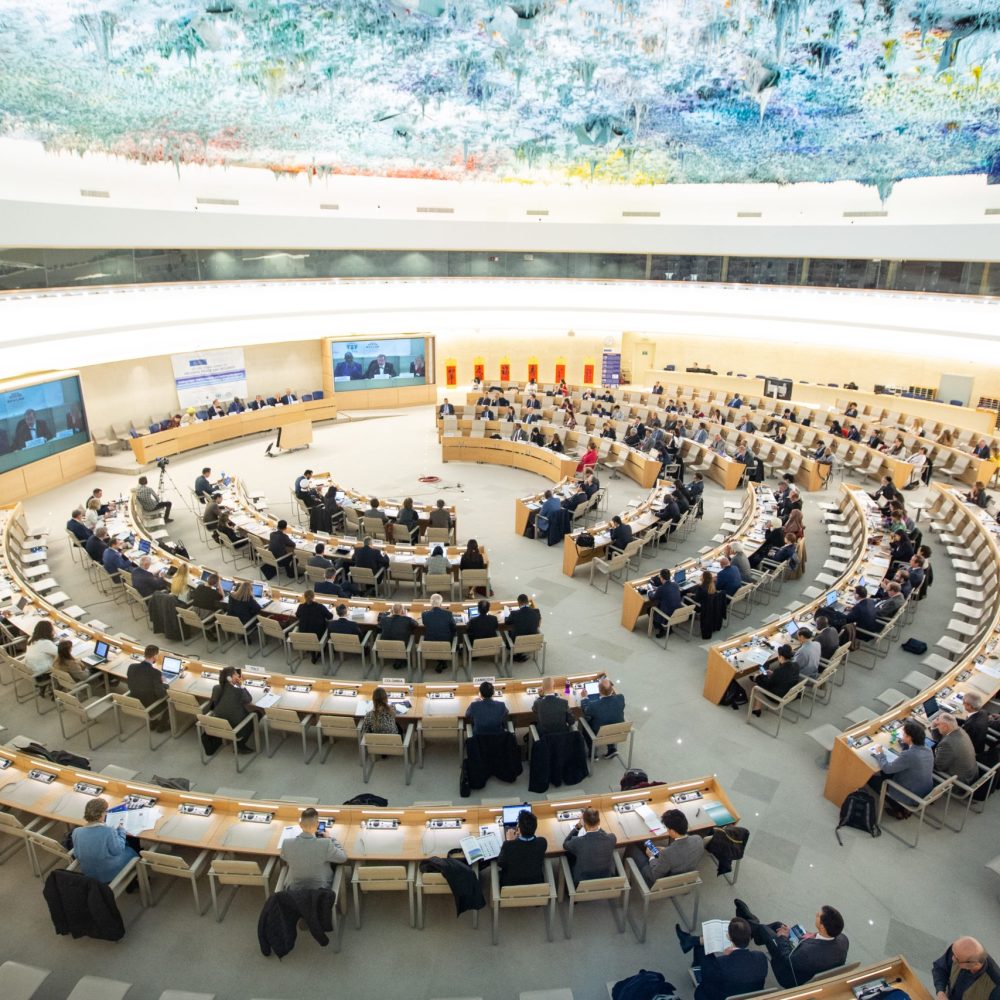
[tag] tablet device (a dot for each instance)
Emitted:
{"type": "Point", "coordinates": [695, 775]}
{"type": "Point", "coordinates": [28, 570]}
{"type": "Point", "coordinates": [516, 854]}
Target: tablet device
{"type": "Point", "coordinates": [509, 814]}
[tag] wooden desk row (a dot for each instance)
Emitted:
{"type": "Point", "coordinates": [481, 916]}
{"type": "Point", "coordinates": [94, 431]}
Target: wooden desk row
{"type": "Point", "coordinates": [851, 765]}
{"type": "Point", "coordinates": [525, 506]}
{"type": "Point", "coordinates": [416, 834]}
{"type": "Point", "coordinates": [259, 525]}
{"type": "Point", "coordinates": [739, 655]}
{"type": "Point", "coordinates": [638, 515]}
{"type": "Point", "coordinates": [532, 458]}
{"type": "Point", "coordinates": [149, 447]}
{"type": "Point", "coordinates": [350, 499]}
{"type": "Point", "coordinates": [757, 508]}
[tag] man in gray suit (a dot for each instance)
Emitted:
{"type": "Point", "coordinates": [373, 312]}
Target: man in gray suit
{"type": "Point", "coordinates": [954, 754]}
{"type": "Point", "coordinates": [682, 853]}
{"type": "Point", "coordinates": [590, 849]}
{"type": "Point", "coordinates": [310, 858]}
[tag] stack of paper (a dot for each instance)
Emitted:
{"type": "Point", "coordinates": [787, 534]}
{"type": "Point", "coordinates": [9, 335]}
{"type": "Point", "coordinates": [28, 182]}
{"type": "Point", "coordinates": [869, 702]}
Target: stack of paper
{"type": "Point", "coordinates": [715, 936]}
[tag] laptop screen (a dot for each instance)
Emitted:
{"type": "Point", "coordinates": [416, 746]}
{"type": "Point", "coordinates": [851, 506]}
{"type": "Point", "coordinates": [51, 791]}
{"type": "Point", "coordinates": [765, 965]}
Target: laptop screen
{"type": "Point", "coordinates": [863, 582]}
{"type": "Point", "coordinates": [510, 813]}
{"type": "Point", "coordinates": [680, 576]}
{"type": "Point", "coordinates": [171, 666]}
{"type": "Point", "coordinates": [100, 649]}
{"type": "Point", "coordinates": [931, 707]}
{"type": "Point", "coordinates": [831, 598]}
{"type": "Point", "coordinates": [144, 546]}
{"type": "Point", "coordinates": [792, 629]}
{"type": "Point", "coordinates": [473, 613]}
{"type": "Point", "coordinates": [205, 574]}
{"type": "Point", "coordinates": [258, 590]}
{"type": "Point", "coordinates": [227, 585]}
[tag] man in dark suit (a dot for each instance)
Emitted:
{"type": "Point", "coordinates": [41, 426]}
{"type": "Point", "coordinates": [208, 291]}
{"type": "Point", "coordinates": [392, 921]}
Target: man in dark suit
{"type": "Point", "coordinates": [96, 544]}
{"type": "Point", "coordinates": [977, 722]}
{"type": "Point", "coordinates": [282, 547]}
{"type": "Point", "coordinates": [439, 625]}
{"type": "Point", "coordinates": [484, 625]}
{"type": "Point", "coordinates": [343, 625]}
{"type": "Point", "coordinates": [258, 402]}
{"type": "Point", "coordinates": [288, 398]}
{"type": "Point", "coordinates": [236, 406]}
{"type": "Point", "coordinates": [380, 367]}
{"type": "Point", "coordinates": [621, 535]}
{"type": "Point", "coordinates": [665, 596]}
{"type": "Point", "coordinates": [396, 627]}
{"type": "Point", "coordinates": [203, 485]}
{"type": "Point", "coordinates": [146, 684]}
{"type": "Point", "coordinates": [518, 433]}
{"type": "Point", "coordinates": [816, 952]}
{"type": "Point", "coordinates": [77, 528]}
{"type": "Point", "coordinates": [329, 585]}
{"type": "Point", "coordinates": [591, 484]}
{"type": "Point", "coordinates": [30, 428]}
{"type": "Point", "coordinates": [446, 409]}
{"type": "Point", "coordinates": [572, 502]}
{"type": "Point", "coordinates": [215, 410]}
{"type": "Point", "coordinates": [604, 709]}
{"type": "Point", "coordinates": [727, 973]}
{"type": "Point", "coordinates": [522, 858]}
{"type": "Point", "coordinates": [523, 620]}
{"type": "Point", "coordinates": [591, 850]}
{"type": "Point", "coordinates": [147, 583]}
{"type": "Point", "coordinates": [532, 402]}
{"type": "Point", "coordinates": [552, 713]}
{"type": "Point", "coordinates": [371, 558]}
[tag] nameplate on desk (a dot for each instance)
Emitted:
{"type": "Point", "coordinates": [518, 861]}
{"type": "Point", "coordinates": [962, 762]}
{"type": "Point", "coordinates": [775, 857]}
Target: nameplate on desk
{"type": "Point", "coordinates": [86, 788]}
{"type": "Point", "coordinates": [565, 815]}
{"type": "Point", "coordinates": [45, 777]}
{"type": "Point", "coordinates": [252, 816]}
{"type": "Point", "coordinates": [861, 741]}
{"type": "Point", "coordinates": [685, 797]}
{"type": "Point", "coordinates": [251, 669]}
{"type": "Point", "coordinates": [627, 807]}
{"type": "Point", "coordinates": [438, 695]}
{"type": "Point", "coordinates": [393, 680]}
{"type": "Point", "coordinates": [444, 824]}
{"type": "Point", "coordinates": [139, 802]}
{"type": "Point", "coordinates": [381, 824]}
{"type": "Point", "coordinates": [298, 688]}
{"type": "Point", "coordinates": [194, 809]}
{"type": "Point", "coordinates": [344, 692]}
{"type": "Point", "coordinates": [480, 680]}
{"type": "Point", "coordinates": [532, 691]}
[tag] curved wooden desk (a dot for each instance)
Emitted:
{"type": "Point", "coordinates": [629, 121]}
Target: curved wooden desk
{"type": "Point", "coordinates": [757, 508]}
{"type": "Point", "coordinates": [149, 447]}
{"type": "Point", "coordinates": [515, 455]}
{"type": "Point", "coordinates": [413, 840]}
{"type": "Point", "coordinates": [730, 660]}
{"type": "Point", "coordinates": [978, 670]}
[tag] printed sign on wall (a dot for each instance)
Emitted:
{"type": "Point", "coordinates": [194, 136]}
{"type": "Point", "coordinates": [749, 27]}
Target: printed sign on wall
{"type": "Point", "coordinates": [209, 375]}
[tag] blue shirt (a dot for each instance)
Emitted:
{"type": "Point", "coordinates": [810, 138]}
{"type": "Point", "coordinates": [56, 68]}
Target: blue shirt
{"type": "Point", "coordinates": [729, 580]}
{"type": "Point", "coordinates": [101, 851]}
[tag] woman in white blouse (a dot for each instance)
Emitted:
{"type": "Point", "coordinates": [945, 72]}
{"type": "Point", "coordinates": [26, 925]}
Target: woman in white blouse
{"type": "Point", "coordinates": [91, 517]}
{"type": "Point", "coordinates": [41, 651]}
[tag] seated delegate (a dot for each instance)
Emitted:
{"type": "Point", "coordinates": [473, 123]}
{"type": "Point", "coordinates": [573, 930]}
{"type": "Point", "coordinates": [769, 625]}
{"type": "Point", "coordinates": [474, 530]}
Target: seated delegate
{"type": "Point", "coordinates": [487, 716]}
{"type": "Point", "coordinates": [311, 856]}
{"type": "Point", "coordinates": [590, 849]}
{"type": "Point", "coordinates": [522, 858]}
{"type": "Point", "coordinates": [100, 850]}
{"type": "Point", "coordinates": [728, 973]}
{"type": "Point", "coordinates": [683, 852]}
{"type": "Point", "coordinates": [815, 954]}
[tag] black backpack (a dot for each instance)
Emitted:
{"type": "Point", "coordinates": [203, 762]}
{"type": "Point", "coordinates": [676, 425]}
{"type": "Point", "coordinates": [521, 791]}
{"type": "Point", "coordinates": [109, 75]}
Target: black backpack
{"type": "Point", "coordinates": [633, 777]}
{"type": "Point", "coordinates": [858, 811]}
{"type": "Point", "coordinates": [644, 985]}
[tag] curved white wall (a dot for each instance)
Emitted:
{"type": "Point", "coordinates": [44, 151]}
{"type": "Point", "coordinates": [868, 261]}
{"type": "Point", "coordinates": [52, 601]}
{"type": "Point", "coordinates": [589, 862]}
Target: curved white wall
{"type": "Point", "coordinates": [68, 329]}
{"type": "Point", "coordinates": [42, 204]}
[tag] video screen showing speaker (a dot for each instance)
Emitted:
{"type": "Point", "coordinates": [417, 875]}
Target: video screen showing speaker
{"type": "Point", "coordinates": [379, 364]}
{"type": "Point", "coordinates": [40, 420]}
{"type": "Point", "coordinates": [778, 388]}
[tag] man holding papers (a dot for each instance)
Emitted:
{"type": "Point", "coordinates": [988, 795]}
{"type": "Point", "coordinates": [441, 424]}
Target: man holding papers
{"type": "Point", "coordinates": [722, 954]}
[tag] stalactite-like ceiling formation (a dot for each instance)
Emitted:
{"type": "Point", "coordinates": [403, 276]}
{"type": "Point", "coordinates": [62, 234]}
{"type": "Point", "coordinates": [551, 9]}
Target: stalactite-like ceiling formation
{"type": "Point", "coordinates": [633, 91]}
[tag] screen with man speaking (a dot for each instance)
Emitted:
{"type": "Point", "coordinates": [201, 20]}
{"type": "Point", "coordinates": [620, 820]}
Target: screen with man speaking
{"type": "Point", "coordinates": [40, 420]}
{"type": "Point", "coordinates": [379, 364]}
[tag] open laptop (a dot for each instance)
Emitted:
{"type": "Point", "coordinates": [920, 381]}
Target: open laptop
{"type": "Point", "coordinates": [170, 669]}
{"type": "Point", "coordinates": [99, 655]}
{"type": "Point", "coordinates": [509, 814]}
{"type": "Point", "coordinates": [680, 577]}
{"type": "Point", "coordinates": [831, 599]}
{"type": "Point", "coordinates": [144, 546]}
{"type": "Point", "coordinates": [227, 586]}
{"type": "Point", "coordinates": [792, 629]}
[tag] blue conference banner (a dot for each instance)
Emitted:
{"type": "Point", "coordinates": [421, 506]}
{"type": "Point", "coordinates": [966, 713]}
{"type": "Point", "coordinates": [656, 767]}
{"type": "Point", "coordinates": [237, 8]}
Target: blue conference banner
{"type": "Point", "coordinates": [208, 375]}
{"type": "Point", "coordinates": [611, 368]}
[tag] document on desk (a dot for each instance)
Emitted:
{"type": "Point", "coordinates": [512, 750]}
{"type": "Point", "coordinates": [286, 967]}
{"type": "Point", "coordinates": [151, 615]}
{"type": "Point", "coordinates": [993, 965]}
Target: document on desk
{"type": "Point", "coordinates": [133, 821]}
{"type": "Point", "coordinates": [289, 833]}
{"type": "Point", "coordinates": [484, 848]}
{"type": "Point", "coordinates": [715, 936]}
{"type": "Point", "coordinates": [758, 656]}
{"type": "Point", "coordinates": [989, 667]}
{"type": "Point", "coordinates": [267, 700]}
{"type": "Point", "coordinates": [651, 820]}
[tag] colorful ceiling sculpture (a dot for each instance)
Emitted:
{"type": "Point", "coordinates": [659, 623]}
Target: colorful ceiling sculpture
{"type": "Point", "coordinates": [632, 91]}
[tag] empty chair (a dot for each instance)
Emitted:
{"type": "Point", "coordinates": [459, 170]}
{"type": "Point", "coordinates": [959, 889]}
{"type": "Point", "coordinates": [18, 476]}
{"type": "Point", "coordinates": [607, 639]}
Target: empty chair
{"type": "Point", "coordinates": [374, 745]}
{"type": "Point", "coordinates": [127, 706]}
{"type": "Point", "coordinates": [444, 728]}
{"type": "Point", "coordinates": [88, 715]}
{"type": "Point", "coordinates": [672, 887]}
{"type": "Point", "coordinates": [382, 878]}
{"type": "Point", "coordinates": [99, 988]}
{"type": "Point", "coordinates": [611, 734]}
{"type": "Point", "coordinates": [227, 871]}
{"type": "Point", "coordinates": [491, 649]}
{"type": "Point", "coordinates": [286, 721]}
{"type": "Point", "coordinates": [345, 645]}
{"type": "Point", "coordinates": [337, 727]}
{"type": "Point", "coordinates": [180, 704]}
{"type": "Point", "coordinates": [172, 866]}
